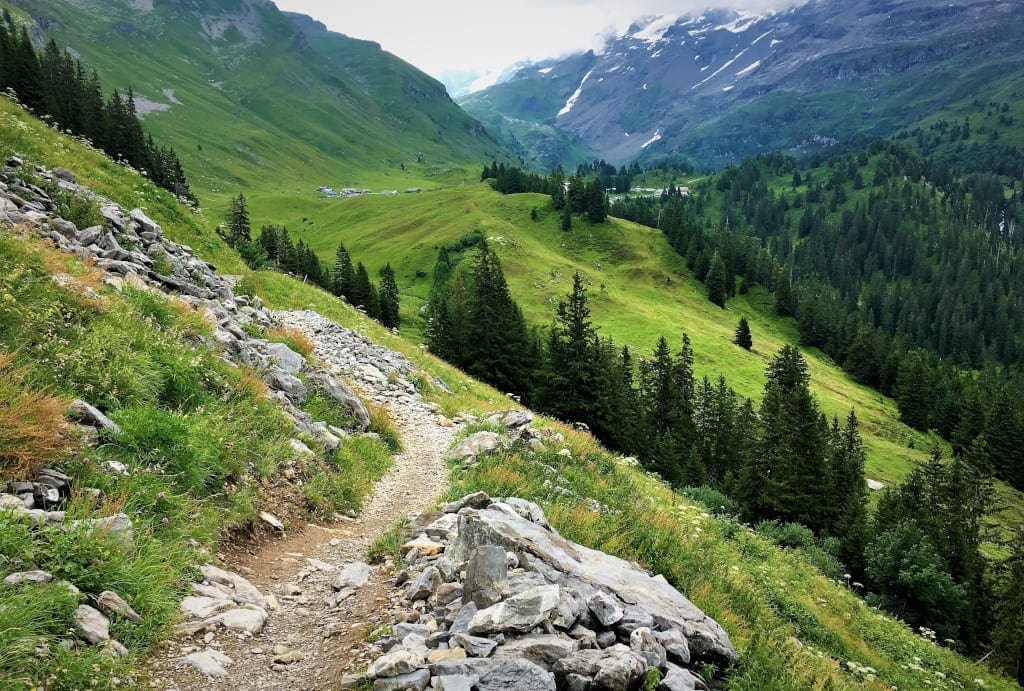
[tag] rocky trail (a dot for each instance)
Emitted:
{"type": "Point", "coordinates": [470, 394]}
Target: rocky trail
{"type": "Point", "coordinates": [307, 642]}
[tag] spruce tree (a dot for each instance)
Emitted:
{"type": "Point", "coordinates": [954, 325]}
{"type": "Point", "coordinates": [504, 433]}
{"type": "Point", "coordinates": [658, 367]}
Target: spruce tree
{"type": "Point", "coordinates": [566, 219]}
{"type": "Point", "coordinates": [716, 281]}
{"type": "Point", "coordinates": [797, 482]}
{"type": "Point", "coordinates": [239, 231]}
{"type": "Point", "coordinates": [570, 384]}
{"type": "Point", "coordinates": [850, 524]}
{"type": "Point", "coordinates": [1008, 629]}
{"type": "Point", "coordinates": [364, 294]}
{"type": "Point", "coordinates": [742, 336]}
{"type": "Point", "coordinates": [498, 340]}
{"type": "Point", "coordinates": [597, 209]}
{"type": "Point", "coordinates": [388, 298]}
{"type": "Point", "coordinates": [343, 274]}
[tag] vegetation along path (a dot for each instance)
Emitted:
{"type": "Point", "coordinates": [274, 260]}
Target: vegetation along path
{"type": "Point", "coordinates": [318, 629]}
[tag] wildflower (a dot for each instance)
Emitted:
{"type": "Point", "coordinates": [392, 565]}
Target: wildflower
{"type": "Point", "coordinates": [161, 495]}
{"type": "Point", "coordinates": [165, 520]}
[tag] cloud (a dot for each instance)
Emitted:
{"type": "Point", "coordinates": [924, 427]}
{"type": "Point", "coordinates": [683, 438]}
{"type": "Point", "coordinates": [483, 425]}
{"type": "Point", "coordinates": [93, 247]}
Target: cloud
{"type": "Point", "coordinates": [475, 36]}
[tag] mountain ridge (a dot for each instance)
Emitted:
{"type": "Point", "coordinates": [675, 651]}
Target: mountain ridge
{"type": "Point", "coordinates": [724, 84]}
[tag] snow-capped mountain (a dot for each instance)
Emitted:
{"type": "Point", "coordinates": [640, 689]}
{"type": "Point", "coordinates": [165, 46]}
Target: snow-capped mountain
{"type": "Point", "coordinates": [726, 83]}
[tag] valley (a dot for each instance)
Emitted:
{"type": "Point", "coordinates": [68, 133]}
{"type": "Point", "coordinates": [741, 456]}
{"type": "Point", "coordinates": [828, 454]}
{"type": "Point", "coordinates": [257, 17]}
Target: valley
{"type": "Point", "coordinates": [302, 487]}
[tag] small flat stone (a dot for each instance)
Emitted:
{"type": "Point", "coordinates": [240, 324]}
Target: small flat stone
{"type": "Point", "coordinates": [209, 662]}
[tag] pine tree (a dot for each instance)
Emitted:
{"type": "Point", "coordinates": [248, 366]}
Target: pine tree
{"type": "Point", "coordinates": [797, 484]}
{"type": "Point", "coordinates": [742, 336]}
{"type": "Point", "coordinates": [388, 298]}
{"type": "Point", "coordinates": [597, 209]}
{"type": "Point", "coordinates": [498, 340]}
{"type": "Point", "coordinates": [238, 231]}
{"type": "Point", "coordinates": [1008, 631]}
{"type": "Point", "coordinates": [566, 219]}
{"type": "Point", "coordinates": [364, 294]}
{"type": "Point", "coordinates": [716, 281]}
{"type": "Point", "coordinates": [343, 274]}
{"type": "Point", "coordinates": [850, 525]}
{"type": "Point", "coordinates": [570, 383]}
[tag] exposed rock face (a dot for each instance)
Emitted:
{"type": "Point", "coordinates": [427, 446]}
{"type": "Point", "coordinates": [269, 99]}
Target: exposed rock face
{"type": "Point", "coordinates": [537, 612]}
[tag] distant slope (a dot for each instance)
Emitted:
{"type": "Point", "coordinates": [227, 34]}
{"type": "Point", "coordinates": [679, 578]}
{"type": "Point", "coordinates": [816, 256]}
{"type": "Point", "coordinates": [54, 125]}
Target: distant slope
{"type": "Point", "coordinates": [723, 85]}
{"type": "Point", "coordinates": [250, 96]}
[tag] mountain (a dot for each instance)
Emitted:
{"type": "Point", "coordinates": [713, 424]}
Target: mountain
{"type": "Point", "coordinates": [227, 81]}
{"type": "Point", "coordinates": [726, 84]}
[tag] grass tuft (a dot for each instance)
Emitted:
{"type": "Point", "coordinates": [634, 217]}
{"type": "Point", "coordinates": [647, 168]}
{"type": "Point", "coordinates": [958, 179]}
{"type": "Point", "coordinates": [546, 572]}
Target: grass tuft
{"type": "Point", "coordinates": [33, 429]}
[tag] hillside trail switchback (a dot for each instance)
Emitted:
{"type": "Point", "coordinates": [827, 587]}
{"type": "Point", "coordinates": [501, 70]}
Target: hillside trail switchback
{"type": "Point", "coordinates": [298, 570]}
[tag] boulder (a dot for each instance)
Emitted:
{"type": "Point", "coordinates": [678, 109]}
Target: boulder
{"type": "Point", "coordinates": [285, 358]}
{"type": "Point", "coordinates": [354, 575]}
{"type": "Point", "coordinates": [145, 223]}
{"type": "Point", "coordinates": [588, 571]}
{"type": "Point", "coordinates": [417, 681]}
{"type": "Point", "coordinates": [112, 603]}
{"type": "Point", "coordinates": [643, 643]}
{"type": "Point", "coordinates": [675, 645]}
{"type": "Point", "coordinates": [209, 662]}
{"type": "Point", "coordinates": [679, 679]}
{"type": "Point", "coordinates": [477, 500]}
{"type": "Point", "coordinates": [242, 591]}
{"type": "Point", "coordinates": [477, 646]}
{"type": "Point", "coordinates": [424, 546]}
{"type": "Point", "coordinates": [486, 576]}
{"type": "Point", "coordinates": [91, 625]}
{"type": "Point", "coordinates": [455, 682]}
{"type": "Point", "coordinates": [541, 649]}
{"type": "Point", "coordinates": [475, 445]}
{"type": "Point", "coordinates": [605, 609]}
{"type": "Point", "coordinates": [520, 612]}
{"type": "Point", "coordinates": [424, 585]}
{"type": "Point", "coordinates": [201, 607]}
{"type": "Point", "coordinates": [518, 674]}
{"type": "Point", "coordinates": [396, 663]}
{"type": "Point", "coordinates": [607, 670]}
{"type": "Point", "coordinates": [28, 577]}
{"type": "Point", "coordinates": [245, 619]}
{"type": "Point", "coordinates": [87, 414]}
{"type": "Point", "coordinates": [343, 395]}
{"type": "Point", "coordinates": [292, 387]}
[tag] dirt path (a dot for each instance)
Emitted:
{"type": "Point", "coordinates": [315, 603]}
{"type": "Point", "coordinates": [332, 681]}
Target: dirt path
{"type": "Point", "coordinates": [298, 570]}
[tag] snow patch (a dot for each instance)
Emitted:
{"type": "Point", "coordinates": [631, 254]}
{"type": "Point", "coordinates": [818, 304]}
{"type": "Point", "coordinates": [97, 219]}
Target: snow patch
{"type": "Point", "coordinates": [645, 87]}
{"type": "Point", "coordinates": [728, 88]}
{"type": "Point", "coordinates": [755, 41]}
{"type": "Point", "coordinates": [719, 70]}
{"type": "Point", "coordinates": [747, 70]}
{"type": "Point", "coordinates": [774, 43]}
{"type": "Point", "coordinates": [545, 70]}
{"type": "Point", "coordinates": [656, 137]}
{"type": "Point", "coordinates": [655, 30]}
{"type": "Point", "coordinates": [575, 96]}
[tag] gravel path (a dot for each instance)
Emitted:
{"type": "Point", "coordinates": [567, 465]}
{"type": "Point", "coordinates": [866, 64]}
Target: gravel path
{"type": "Point", "coordinates": [298, 570]}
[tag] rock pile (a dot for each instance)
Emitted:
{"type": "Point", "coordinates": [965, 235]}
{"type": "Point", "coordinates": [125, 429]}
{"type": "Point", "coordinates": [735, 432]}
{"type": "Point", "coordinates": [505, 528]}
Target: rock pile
{"type": "Point", "coordinates": [502, 601]}
{"type": "Point", "coordinates": [131, 247]}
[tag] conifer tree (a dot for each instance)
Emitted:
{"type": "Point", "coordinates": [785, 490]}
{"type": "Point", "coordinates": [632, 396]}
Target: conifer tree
{"type": "Point", "coordinates": [1008, 629]}
{"type": "Point", "coordinates": [742, 336]}
{"type": "Point", "coordinates": [716, 281]}
{"type": "Point", "coordinates": [498, 340]}
{"type": "Point", "coordinates": [850, 524]}
{"type": "Point", "coordinates": [239, 231]}
{"type": "Point", "coordinates": [388, 298]}
{"type": "Point", "coordinates": [597, 209]}
{"type": "Point", "coordinates": [343, 274]}
{"type": "Point", "coordinates": [797, 483]}
{"type": "Point", "coordinates": [364, 294]}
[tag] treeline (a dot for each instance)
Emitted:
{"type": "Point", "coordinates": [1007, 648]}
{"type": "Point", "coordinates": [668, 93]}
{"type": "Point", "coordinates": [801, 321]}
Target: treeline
{"type": "Point", "coordinates": [911, 287]}
{"type": "Point", "coordinates": [53, 83]}
{"type": "Point", "coordinates": [275, 249]}
{"type": "Point", "coordinates": [576, 194]}
{"type": "Point", "coordinates": [782, 464]}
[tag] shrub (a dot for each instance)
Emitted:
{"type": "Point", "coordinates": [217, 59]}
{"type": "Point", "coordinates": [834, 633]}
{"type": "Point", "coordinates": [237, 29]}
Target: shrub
{"type": "Point", "coordinates": [715, 502]}
{"type": "Point", "coordinates": [32, 425]}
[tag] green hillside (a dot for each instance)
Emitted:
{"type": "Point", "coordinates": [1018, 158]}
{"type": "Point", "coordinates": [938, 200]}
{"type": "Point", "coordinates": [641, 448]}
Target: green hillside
{"type": "Point", "coordinates": [640, 289]}
{"type": "Point", "coordinates": [793, 627]}
{"type": "Point", "coordinates": [227, 82]}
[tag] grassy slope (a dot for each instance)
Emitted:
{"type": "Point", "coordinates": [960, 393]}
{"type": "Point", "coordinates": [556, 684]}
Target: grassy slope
{"type": "Point", "coordinates": [761, 594]}
{"type": "Point", "coordinates": [341, 104]}
{"type": "Point", "coordinates": [647, 291]}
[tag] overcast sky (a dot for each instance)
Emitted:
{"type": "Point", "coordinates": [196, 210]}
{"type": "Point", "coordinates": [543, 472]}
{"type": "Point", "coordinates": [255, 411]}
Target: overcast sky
{"type": "Point", "coordinates": [483, 35]}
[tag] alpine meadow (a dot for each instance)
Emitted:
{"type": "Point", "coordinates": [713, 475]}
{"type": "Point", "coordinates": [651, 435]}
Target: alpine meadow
{"type": "Point", "coordinates": [686, 355]}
